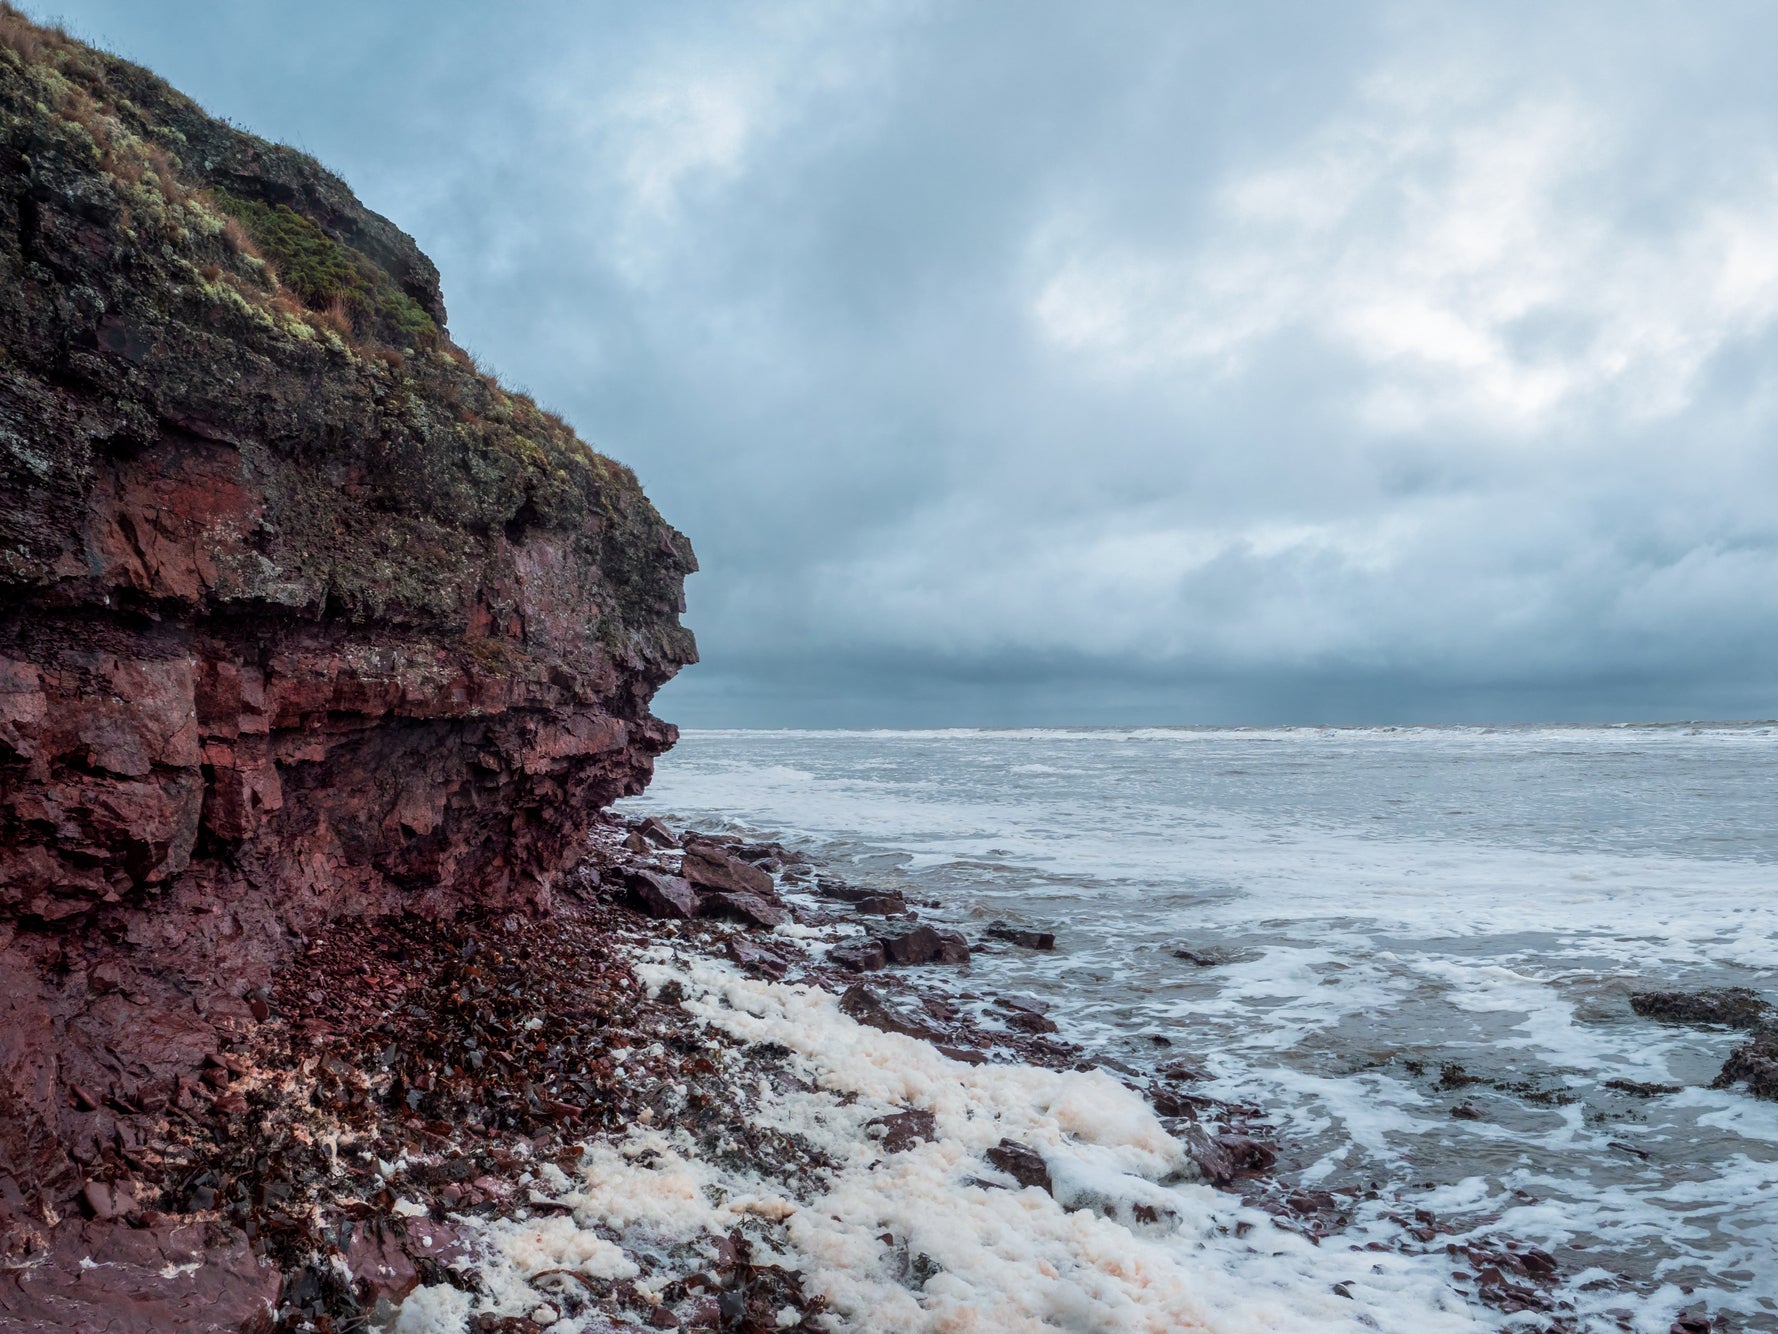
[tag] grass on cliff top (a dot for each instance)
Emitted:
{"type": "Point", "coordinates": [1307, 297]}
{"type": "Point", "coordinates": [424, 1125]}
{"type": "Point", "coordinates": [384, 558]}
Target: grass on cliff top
{"type": "Point", "coordinates": [327, 275]}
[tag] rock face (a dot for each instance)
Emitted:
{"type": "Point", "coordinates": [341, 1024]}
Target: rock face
{"type": "Point", "coordinates": [301, 614]}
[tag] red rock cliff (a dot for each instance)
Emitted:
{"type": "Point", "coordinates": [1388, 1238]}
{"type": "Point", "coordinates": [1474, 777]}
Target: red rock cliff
{"type": "Point", "coordinates": [301, 615]}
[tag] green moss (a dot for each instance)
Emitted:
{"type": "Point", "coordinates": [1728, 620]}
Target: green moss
{"type": "Point", "coordinates": [320, 271]}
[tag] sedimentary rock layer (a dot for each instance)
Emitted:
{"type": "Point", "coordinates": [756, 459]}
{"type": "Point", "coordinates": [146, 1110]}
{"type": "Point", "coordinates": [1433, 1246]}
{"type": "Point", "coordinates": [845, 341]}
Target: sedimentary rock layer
{"type": "Point", "coordinates": [301, 615]}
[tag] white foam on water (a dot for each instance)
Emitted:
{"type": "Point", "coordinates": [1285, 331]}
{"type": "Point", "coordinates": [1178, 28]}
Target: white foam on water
{"type": "Point", "coordinates": [1488, 896]}
{"type": "Point", "coordinates": [1000, 1259]}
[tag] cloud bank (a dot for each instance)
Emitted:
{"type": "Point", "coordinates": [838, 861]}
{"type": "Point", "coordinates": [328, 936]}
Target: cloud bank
{"type": "Point", "coordinates": [1161, 362]}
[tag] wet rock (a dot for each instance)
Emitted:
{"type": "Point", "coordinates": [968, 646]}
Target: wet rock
{"type": "Point", "coordinates": [761, 853]}
{"type": "Point", "coordinates": [902, 1130]}
{"type": "Point", "coordinates": [664, 896]}
{"type": "Point", "coordinates": [1183, 1070]}
{"type": "Point", "coordinates": [749, 908]}
{"type": "Point", "coordinates": [379, 1266]}
{"type": "Point", "coordinates": [139, 1281]}
{"type": "Point", "coordinates": [1754, 1064]}
{"type": "Point", "coordinates": [710, 867]}
{"type": "Point", "coordinates": [1022, 1163]}
{"type": "Point", "coordinates": [874, 1010]}
{"type": "Point", "coordinates": [1731, 1007]}
{"type": "Point", "coordinates": [1202, 958]}
{"type": "Point", "coordinates": [1171, 1101]}
{"type": "Point", "coordinates": [861, 956]}
{"type": "Point", "coordinates": [1641, 1089]}
{"type": "Point", "coordinates": [1466, 1111]}
{"type": "Point", "coordinates": [757, 958]}
{"type": "Point", "coordinates": [657, 833]}
{"type": "Point", "coordinates": [1025, 1017]}
{"type": "Point", "coordinates": [829, 888]}
{"type": "Point", "coordinates": [924, 944]}
{"type": "Point", "coordinates": [1223, 1157]}
{"type": "Point", "coordinates": [881, 905]}
{"type": "Point", "coordinates": [1024, 939]}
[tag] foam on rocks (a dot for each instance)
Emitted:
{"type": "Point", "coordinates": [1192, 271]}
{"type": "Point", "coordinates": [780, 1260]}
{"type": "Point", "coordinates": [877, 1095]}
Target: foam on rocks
{"type": "Point", "coordinates": [931, 1236]}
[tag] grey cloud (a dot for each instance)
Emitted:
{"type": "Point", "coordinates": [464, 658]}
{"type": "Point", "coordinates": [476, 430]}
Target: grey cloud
{"type": "Point", "coordinates": [1134, 362]}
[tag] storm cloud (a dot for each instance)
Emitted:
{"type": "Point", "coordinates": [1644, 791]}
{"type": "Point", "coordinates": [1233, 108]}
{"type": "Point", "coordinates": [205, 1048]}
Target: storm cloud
{"type": "Point", "coordinates": [1027, 363]}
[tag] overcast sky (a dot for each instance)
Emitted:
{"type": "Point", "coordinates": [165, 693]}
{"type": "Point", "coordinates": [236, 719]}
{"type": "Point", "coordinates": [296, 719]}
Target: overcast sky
{"type": "Point", "coordinates": [1110, 362]}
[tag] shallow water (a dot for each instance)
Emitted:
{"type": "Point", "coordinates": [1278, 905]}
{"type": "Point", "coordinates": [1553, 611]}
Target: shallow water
{"type": "Point", "coordinates": [1392, 902]}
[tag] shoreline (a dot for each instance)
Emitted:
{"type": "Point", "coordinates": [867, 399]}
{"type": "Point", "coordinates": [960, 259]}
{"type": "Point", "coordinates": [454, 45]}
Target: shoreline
{"type": "Point", "coordinates": [609, 1118]}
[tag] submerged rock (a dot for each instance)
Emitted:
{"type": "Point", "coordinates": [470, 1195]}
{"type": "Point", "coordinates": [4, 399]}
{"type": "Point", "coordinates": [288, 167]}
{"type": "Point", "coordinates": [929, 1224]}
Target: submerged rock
{"type": "Point", "coordinates": [1732, 1007]}
{"type": "Point", "coordinates": [1202, 958]}
{"type": "Point", "coordinates": [1754, 1064]}
{"type": "Point", "coordinates": [1024, 939]}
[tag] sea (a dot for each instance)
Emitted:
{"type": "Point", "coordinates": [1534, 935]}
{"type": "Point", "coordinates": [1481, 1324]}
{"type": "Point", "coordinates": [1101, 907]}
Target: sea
{"type": "Point", "coordinates": [1387, 925]}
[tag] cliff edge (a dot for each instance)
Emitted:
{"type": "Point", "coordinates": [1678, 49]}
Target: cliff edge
{"type": "Point", "coordinates": [302, 616]}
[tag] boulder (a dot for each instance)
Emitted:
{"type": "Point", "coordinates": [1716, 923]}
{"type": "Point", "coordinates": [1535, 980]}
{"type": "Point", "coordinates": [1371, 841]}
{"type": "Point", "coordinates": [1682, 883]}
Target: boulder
{"type": "Point", "coordinates": [712, 868]}
{"type": "Point", "coordinates": [858, 956]}
{"type": "Point", "coordinates": [881, 905]}
{"type": "Point", "coordinates": [665, 896]}
{"type": "Point", "coordinates": [924, 944]}
{"type": "Point", "coordinates": [749, 908]}
{"type": "Point", "coordinates": [657, 833]}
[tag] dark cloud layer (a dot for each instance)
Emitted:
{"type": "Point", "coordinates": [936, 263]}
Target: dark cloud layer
{"type": "Point", "coordinates": [1016, 362]}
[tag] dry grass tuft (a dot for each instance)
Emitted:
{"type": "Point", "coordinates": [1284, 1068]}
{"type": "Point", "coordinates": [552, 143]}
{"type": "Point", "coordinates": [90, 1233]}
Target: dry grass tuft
{"type": "Point", "coordinates": [238, 239]}
{"type": "Point", "coordinates": [31, 42]}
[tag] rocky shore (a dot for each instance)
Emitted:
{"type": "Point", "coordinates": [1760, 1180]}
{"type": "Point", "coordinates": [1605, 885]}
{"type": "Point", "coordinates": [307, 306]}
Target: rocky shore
{"type": "Point", "coordinates": [503, 1121]}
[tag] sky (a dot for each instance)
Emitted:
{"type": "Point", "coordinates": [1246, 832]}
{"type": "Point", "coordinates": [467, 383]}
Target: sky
{"type": "Point", "coordinates": [1022, 363]}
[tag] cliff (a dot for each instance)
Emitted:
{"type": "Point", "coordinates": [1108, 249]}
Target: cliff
{"type": "Point", "coordinates": [302, 616]}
